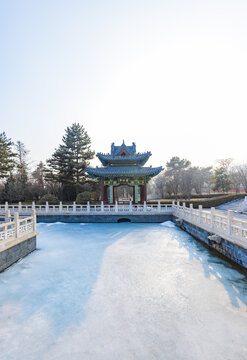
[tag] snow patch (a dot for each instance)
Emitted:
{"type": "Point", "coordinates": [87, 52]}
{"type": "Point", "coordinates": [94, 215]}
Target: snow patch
{"type": "Point", "coordinates": [56, 223]}
{"type": "Point", "coordinates": [168, 224]}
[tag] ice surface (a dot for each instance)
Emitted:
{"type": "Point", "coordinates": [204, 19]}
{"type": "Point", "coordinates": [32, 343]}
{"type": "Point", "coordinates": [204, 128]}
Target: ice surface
{"type": "Point", "coordinates": [121, 291]}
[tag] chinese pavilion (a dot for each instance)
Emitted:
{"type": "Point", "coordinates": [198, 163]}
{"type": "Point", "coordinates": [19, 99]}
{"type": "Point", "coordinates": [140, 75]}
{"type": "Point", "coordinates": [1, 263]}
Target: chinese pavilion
{"type": "Point", "coordinates": [123, 176]}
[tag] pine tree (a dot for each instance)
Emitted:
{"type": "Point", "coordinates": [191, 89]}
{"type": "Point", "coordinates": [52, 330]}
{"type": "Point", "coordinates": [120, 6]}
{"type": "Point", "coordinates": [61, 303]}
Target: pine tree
{"type": "Point", "coordinates": [7, 156]}
{"type": "Point", "coordinates": [69, 161]}
{"type": "Point", "coordinates": [222, 180]}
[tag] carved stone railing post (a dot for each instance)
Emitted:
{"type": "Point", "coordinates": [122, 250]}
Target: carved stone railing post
{"type": "Point", "coordinates": [88, 206]}
{"type": "Point", "coordinates": [17, 224]}
{"type": "Point", "coordinates": [184, 207]}
{"type": "Point", "coordinates": [46, 207]}
{"type": "Point", "coordinates": [159, 207]}
{"type": "Point", "coordinates": [60, 206]}
{"type": "Point", "coordinates": [19, 207]}
{"type": "Point", "coordinates": [212, 217]}
{"type": "Point", "coordinates": [7, 216]}
{"type": "Point", "coordinates": [74, 207]}
{"type": "Point", "coordinates": [34, 219]}
{"type": "Point", "coordinates": [130, 206]}
{"type": "Point", "coordinates": [33, 205]}
{"type": "Point", "coordinates": [144, 206]}
{"type": "Point", "coordinates": [102, 206]}
{"type": "Point", "coordinates": [229, 222]}
{"type": "Point", "coordinates": [116, 206]}
{"type": "Point", "coordinates": [200, 214]}
{"type": "Point", "coordinates": [191, 211]}
{"type": "Point", "coordinates": [6, 205]}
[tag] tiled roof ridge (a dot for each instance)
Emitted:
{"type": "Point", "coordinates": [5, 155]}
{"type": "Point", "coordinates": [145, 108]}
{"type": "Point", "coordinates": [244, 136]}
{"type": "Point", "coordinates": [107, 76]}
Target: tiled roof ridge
{"type": "Point", "coordinates": [125, 156]}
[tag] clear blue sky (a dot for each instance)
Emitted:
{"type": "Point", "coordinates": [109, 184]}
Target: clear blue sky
{"type": "Point", "coordinates": [169, 75]}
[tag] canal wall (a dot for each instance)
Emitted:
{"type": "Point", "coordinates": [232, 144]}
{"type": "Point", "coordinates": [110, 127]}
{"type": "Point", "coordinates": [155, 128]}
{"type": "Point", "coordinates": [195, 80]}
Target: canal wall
{"type": "Point", "coordinates": [10, 255]}
{"type": "Point", "coordinates": [225, 248]}
{"type": "Point", "coordinates": [148, 218]}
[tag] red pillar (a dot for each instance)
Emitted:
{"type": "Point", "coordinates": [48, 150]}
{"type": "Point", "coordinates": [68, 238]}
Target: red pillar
{"type": "Point", "coordinates": [113, 194]}
{"type": "Point", "coordinates": [141, 193]}
{"type": "Point", "coordinates": [134, 194]}
{"type": "Point", "coordinates": [104, 193]}
{"type": "Point", "coordinates": [144, 192]}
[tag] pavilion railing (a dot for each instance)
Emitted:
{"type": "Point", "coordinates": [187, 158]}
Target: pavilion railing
{"type": "Point", "coordinates": [86, 209]}
{"type": "Point", "coordinates": [14, 228]}
{"type": "Point", "coordinates": [226, 225]}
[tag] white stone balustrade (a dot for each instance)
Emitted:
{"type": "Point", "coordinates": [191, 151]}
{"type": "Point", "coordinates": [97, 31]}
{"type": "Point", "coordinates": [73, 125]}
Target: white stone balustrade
{"type": "Point", "coordinates": [228, 226]}
{"type": "Point", "coordinates": [88, 208]}
{"type": "Point", "coordinates": [16, 228]}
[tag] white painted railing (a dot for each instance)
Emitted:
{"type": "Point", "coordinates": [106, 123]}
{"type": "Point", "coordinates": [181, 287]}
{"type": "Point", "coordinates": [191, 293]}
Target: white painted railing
{"type": "Point", "coordinates": [225, 225]}
{"type": "Point", "coordinates": [86, 209]}
{"type": "Point", "coordinates": [15, 228]}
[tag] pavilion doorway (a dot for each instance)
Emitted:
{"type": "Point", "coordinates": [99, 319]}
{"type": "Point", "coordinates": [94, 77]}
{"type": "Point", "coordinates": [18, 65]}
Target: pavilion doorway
{"type": "Point", "coordinates": [123, 193]}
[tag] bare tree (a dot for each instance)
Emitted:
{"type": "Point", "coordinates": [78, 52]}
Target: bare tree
{"type": "Point", "coordinates": [241, 174]}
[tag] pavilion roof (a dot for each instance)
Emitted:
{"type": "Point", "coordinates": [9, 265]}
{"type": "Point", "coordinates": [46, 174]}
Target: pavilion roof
{"type": "Point", "coordinates": [110, 171]}
{"type": "Point", "coordinates": [135, 158]}
{"type": "Point", "coordinates": [115, 150]}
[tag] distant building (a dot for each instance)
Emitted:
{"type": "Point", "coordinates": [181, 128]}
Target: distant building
{"type": "Point", "coordinates": [123, 177]}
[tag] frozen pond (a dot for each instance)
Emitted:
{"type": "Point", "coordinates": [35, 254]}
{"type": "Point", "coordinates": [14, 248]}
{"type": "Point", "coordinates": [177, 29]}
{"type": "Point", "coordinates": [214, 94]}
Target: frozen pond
{"type": "Point", "coordinates": [121, 291]}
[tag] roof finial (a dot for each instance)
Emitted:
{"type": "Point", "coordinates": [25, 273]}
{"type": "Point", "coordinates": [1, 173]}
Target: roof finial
{"type": "Point", "coordinates": [123, 142]}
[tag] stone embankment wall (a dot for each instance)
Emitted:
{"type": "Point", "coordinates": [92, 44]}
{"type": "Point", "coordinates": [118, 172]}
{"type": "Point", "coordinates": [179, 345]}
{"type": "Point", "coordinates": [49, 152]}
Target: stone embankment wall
{"type": "Point", "coordinates": [226, 248]}
{"type": "Point", "coordinates": [103, 218]}
{"type": "Point", "coordinates": [16, 252]}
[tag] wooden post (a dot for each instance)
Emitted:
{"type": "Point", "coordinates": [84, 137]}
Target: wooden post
{"type": "Point", "coordinates": [34, 219]}
{"type": "Point", "coordinates": [17, 224]}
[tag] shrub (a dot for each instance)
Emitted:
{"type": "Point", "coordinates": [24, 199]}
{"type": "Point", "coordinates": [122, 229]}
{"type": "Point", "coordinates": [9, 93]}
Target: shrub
{"type": "Point", "coordinates": [50, 198]}
{"type": "Point", "coordinates": [205, 201]}
{"type": "Point", "coordinates": [85, 196]}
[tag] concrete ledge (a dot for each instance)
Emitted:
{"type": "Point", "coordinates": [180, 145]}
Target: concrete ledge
{"type": "Point", "coordinates": [227, 249]}
{"type": "Point", "coordinates": [10, 255]}
{"type": "Point", "coordinates": [144, 218]}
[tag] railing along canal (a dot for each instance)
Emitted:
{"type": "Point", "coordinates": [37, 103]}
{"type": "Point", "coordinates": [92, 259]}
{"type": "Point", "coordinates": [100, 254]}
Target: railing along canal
{"type": "Point", "coordinates": [226, 225]}
{"type": "Point", "coordinates": [87, 209]}
{"type": "Point", "coordinates": [14, 228]}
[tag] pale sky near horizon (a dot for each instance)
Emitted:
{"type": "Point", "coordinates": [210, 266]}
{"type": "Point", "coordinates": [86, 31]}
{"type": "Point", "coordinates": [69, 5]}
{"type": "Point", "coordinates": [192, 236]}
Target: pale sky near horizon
{"type": "Point", "coordinates": [169, 75]}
